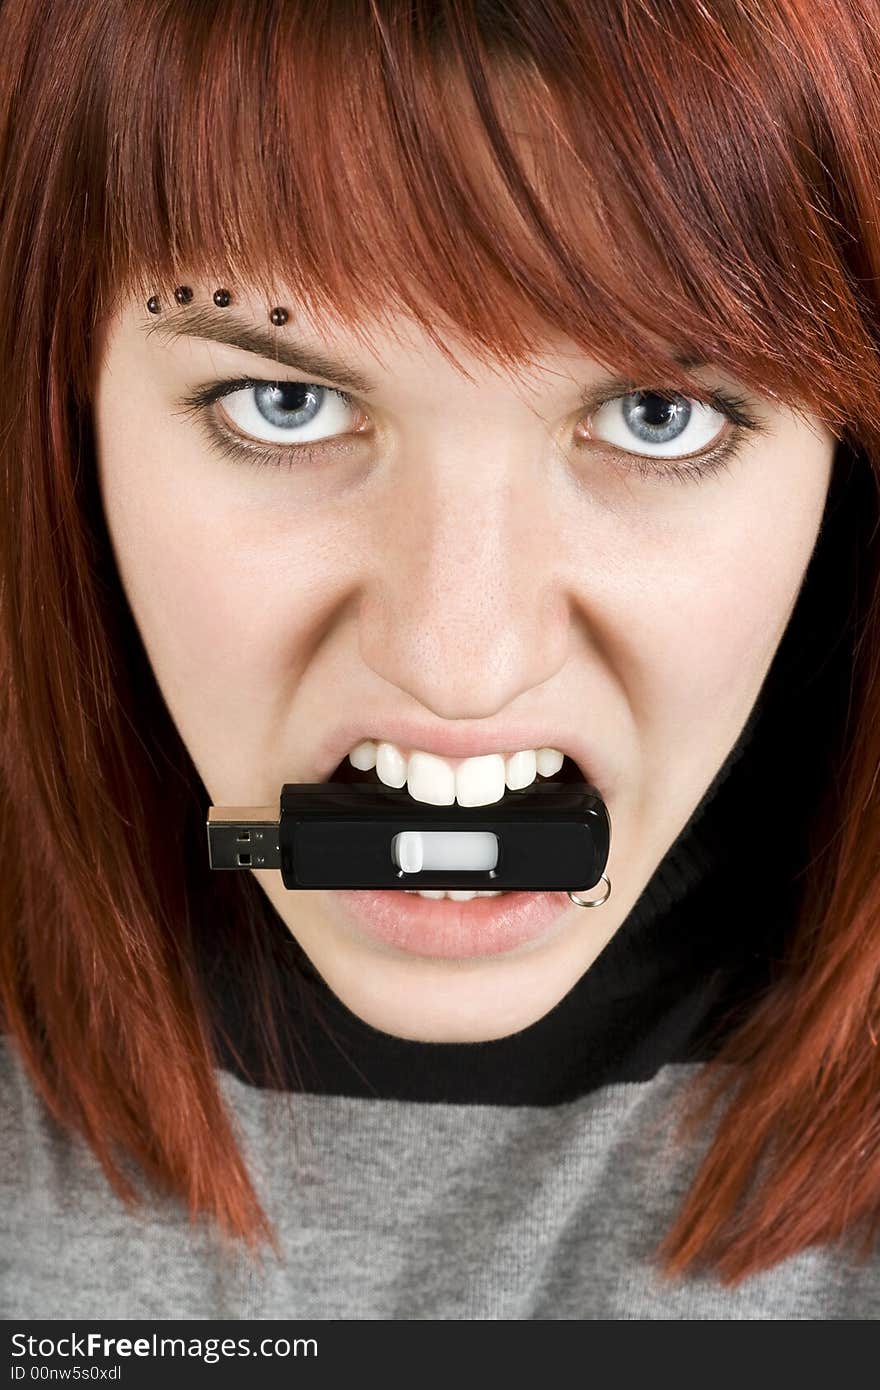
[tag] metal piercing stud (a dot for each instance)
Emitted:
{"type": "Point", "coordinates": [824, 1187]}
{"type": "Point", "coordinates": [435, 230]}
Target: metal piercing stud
{"type": "Point", "coordinates": [595, 902]}
{"type": "Point", "coordinates": [183, 294]}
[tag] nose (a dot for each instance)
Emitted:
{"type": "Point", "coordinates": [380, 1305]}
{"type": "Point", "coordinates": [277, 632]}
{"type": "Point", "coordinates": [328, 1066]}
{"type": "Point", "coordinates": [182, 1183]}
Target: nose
{"type": "Point", "coordinates": [466, 606]}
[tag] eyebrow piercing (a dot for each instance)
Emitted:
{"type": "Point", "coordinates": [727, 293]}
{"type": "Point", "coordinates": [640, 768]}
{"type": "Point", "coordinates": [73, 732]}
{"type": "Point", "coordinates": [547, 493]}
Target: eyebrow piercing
{"type": "Point", "coordinates": [221, 297]}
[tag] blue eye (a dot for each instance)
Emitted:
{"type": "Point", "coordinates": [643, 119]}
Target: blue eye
{"type": "Point", "coordinates": [666, 427]}
{"type": "Point", "coordinates": [661, 434]}
{"type": "Point", "coordinates": [300, 419]}
{"type": "Point", "coordinates": [288, 412]}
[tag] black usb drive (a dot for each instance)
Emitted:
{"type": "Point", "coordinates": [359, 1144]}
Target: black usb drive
{"type": "Point", "coordinates": [549, 836]}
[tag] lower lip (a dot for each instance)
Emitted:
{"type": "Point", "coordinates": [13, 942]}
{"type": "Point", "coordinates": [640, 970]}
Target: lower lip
{"type": "Point", "coordinates": [449, 929]}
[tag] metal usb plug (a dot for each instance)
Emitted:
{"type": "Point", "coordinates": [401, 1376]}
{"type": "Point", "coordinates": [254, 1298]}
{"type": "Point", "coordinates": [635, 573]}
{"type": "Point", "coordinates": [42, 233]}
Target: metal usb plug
{"type": "Point", "coordinates": [243, 837]}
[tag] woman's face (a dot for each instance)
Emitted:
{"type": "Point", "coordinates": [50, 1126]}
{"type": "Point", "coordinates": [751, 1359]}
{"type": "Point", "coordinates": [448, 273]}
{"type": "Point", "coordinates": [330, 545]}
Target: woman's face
{"type": "Point", "coordinates": [472, 557]}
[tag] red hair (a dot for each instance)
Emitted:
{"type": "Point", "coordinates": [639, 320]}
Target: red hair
{"type": "Point", "coordinates": [644, 178]}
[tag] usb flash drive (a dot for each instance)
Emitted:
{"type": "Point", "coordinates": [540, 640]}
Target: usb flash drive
{"type": "Point", "coordinates": [548, 836]}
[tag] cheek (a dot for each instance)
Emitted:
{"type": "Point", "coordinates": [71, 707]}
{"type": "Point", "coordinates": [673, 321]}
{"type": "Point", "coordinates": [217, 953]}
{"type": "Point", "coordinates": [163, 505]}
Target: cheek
{"type": "Point", "coordinates": [214, 585]}
{"type": "Point", "coordinates": [722, 599]}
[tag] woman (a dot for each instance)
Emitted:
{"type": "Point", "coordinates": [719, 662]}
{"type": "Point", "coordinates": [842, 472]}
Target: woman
{"type": "Point", "coordinates": [463, 388]}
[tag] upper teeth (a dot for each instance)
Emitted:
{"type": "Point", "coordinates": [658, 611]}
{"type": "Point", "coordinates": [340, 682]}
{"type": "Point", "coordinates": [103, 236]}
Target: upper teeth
{"type": "Point", "coordinates": [470, 782]}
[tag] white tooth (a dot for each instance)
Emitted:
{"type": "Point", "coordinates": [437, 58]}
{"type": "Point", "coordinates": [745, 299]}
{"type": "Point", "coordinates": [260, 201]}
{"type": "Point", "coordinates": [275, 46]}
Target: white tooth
{"type": "Point", "coordinates": [390, 765]}
{"type": "Point", "coordinates": [461, 895]}
{"type": "Point", "coordinates": [548, 760]}
{"type": "Point", "coordinates": [430, 779]}
{"type": "Point", "coordinates": [480, 781]}
{"type": "Point", "coordinates": [521, 769]}
{"type": "Point", "coordinates": [442, 893]}
{"type": "Point", "coordinates": [363, 755]}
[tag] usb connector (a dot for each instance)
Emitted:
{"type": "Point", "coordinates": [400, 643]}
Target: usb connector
{"type": "Point", "coordinates": [243, 837]}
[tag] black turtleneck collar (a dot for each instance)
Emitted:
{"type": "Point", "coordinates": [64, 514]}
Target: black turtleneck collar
{"type": "Point", "coordinates": [702, 938]}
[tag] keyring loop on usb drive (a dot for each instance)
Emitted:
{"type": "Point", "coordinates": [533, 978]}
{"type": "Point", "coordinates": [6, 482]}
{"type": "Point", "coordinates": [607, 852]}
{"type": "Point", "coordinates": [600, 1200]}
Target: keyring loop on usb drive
{"type": "Point", "coordinates": [596, 902]}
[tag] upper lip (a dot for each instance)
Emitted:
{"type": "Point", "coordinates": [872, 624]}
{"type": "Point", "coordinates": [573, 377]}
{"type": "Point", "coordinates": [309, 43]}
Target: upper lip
{"type": "Point", "coordinates": [461, 742]}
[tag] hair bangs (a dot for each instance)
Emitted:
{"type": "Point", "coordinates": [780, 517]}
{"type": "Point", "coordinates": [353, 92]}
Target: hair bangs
{"type": "Point", "coordinates": [471, 169]}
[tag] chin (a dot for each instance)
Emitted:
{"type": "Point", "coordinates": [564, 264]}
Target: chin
{"type": "Point", "coordinates": [447, 1000]}
{"type": "Point", "coordinates": [424, 998]}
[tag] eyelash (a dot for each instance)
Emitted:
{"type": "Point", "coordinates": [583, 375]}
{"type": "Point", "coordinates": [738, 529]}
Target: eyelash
{"type": "Point", "coordinates": [287, 457]}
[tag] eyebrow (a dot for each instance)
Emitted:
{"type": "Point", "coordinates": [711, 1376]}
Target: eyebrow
{"type": "Point", "coordinates": [223, 327]}
{"type": "Point", "coordinates": [232, 330]}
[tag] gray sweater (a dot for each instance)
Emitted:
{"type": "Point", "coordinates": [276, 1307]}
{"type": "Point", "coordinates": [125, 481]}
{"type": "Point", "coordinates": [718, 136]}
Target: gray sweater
{"type": "Point", "coordinates": [392, 1209]}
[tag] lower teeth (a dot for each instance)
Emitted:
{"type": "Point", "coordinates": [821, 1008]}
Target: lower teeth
{"type": "Point", "coordinates": [458, 895]}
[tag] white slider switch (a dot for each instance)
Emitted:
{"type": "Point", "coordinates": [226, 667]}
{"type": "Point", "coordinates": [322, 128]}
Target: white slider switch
{"type": "Point", "coordinates": [415, 850]}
